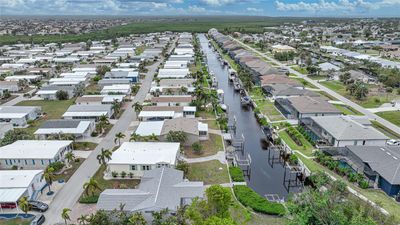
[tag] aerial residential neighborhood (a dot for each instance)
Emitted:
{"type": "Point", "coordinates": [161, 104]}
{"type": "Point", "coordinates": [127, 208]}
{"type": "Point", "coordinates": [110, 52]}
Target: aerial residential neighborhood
{"type": "Point", "coordinates": [200, 112]}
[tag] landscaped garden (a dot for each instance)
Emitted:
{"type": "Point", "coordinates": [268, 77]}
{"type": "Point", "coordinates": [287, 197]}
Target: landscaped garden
{"type": "Point", "coordinates": [210, 172]}
{"type": "Point", "coordinates": [296, 140]}
{"type": "Point", "coordinates": [84, 145]}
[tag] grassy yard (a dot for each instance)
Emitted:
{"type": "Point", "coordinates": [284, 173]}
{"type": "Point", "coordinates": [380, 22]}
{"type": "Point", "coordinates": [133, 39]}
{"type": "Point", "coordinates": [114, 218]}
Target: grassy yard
{"type": "Point", "coordinates": [256, 93]}
{"type": "Point", "coordinates": [328, 96]}
{"type": "Point", "coordinates": [304, 82]}
{"type": "Point", "coordinates": [212, 124]}
{"type": "Point", "coordinates": [301, 70]}
{"type": "Point", "coordinates": [52, 109]}
{"type": "Point", "coordinates": [385, 130]}
{"type": "Point", "coordinates": [373, 100]}
{"type": "Point", "coordinates": [306, 148]}
{"type": "Point", "coordinates": [210, 172]}
{"type": "Point", "coordinates": [15, 222]}
{"type": "Point", "coordinates": [111, 184]}
{"type": "Point", "coordinates": [316, 77]}
{"type": "Point", "coordinates": [376, 196]}
{"type": "Point", "coordinates": [347, 110]}
{"type": "Point", "coordinates": [268, 108]}
{"type": "Point", "coordinates": [69, 172]}
{"type": "Point", "coordinates": [391, 116]}
{"type": "Point", "coordinates": [84, 145]}
{"type": "Point", "coordinates": [205, 114]}
{"type": "Point", "coordinates": [210, 147]}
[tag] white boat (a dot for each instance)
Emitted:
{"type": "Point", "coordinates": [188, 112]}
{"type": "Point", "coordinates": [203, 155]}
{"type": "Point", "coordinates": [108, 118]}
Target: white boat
{"type": "Point", "coordinates": [223, 107]}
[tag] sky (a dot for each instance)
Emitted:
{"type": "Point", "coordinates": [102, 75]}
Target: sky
{"type": "Point", "coordinates": [306, 8]}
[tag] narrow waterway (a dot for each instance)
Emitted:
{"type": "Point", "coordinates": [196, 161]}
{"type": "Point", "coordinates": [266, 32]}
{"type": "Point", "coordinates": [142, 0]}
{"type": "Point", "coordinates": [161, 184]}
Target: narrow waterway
{"type": "Point", "coordinates": [264, 178]}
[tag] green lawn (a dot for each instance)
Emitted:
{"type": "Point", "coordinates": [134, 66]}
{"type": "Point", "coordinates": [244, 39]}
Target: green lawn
{"type": "Point", "coordinates": [69, 172]}
{"type": "Point", "coordinates": [301, 70]}
{"type": "Point", "coordinates": [306, 149]}
{"type": "Point", "coordinates": [316, 77]}
{"type": "Point", "coordinates": [205, 114]}
{"type": "Point", "coordinates": [268, 109]}
{"type": "Point", "coordinates": [210, 147]}
{"type": "Point", "coordinates": [328, 96]}
{"type": "Point", "coordinates": [336, 86]}
{"type": "Point", "coordinates": [84, 145]}
{"type": "Point", "coordinates": [385, 130]}
{"type": "Point", "coordinates": [210, 172]}
{"type": "Point", "coordinates": [256, 93]}
{"type": "Point", "coordinates": [52, 109]}
{"type": "Point", "coordinates": [15, 222]}
{"type": "Point", "coordinates": [391, 116]}
{"type": "Point", "coordinates": [304, 82]}
{"type": "Point", "coordinates": [212, 124]}
{"type": "Point", "coordinates": [347, 110]}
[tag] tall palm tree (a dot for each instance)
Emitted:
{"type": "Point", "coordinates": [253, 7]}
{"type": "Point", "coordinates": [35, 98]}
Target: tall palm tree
{"type": "Point", "coordinates": [116, 106]}
{"type": "Point", "coordinates": [118, 137]}
{"type": "Point", "coordinates": [104, 156]}
{"type": "Point", "coordinates": [91, 186]}
{"type": "Point", "coordinates": [135, 137]}
{"type": "Point", "coordinates": [24, 205]}
{"type": "Point", "coordinates": [48, 176]}
{"type": "Point", "coordinates": [69, 156]}
{"type": "Point", "coordinates": [137, 107]}
{"type": "Point", "coordinates": [65, 215]}
{"type": "Point", "coordinates": [103, 121]}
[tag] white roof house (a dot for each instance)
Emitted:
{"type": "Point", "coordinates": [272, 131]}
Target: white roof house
{"type": "Point", "coordinates": [173, 73]}
{"type": "Point", "coordinates": [175, 64]}
{"type": "Point", "coordinates": [116, 88]}
{"type": "Point", "coordinates": [78, 128]}
{"type": "Point", "coordinates": [33, 153]}
{"type": "Point", "coordinates": [137, 157]}
{"type": "Point", "coordinates": [88, 112]}
{"type": "Point", "coordinates": [17, 183]}
{"type": "Point", "coordinates": [19, 115]}
{"type": "Point", "coordinates": [145, 115]}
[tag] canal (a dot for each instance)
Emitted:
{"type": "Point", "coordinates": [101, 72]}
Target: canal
{"type": "Point", "coordinates": [264, 178]}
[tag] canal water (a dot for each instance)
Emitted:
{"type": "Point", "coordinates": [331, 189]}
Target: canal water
{"type": "Point", "coordinates": [265, 178]}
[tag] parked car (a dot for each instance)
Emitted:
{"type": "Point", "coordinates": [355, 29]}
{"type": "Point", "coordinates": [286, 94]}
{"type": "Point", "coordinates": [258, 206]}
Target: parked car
{"type": "Point", "coordinates": [393, 142]}
{"type": "Point", "coordinates": [39, 219]}
{"type": "Point", "coordinates": [38, 206]}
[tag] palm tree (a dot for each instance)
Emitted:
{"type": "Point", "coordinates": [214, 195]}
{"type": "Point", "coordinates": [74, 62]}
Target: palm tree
{"type": "Point", "coordinates": [116, 106]}
{"type": "Point", "coordinates": [69, 156]}
{"type": "Point", "coordinates": [118, 138]}
{"type": "Point", "coordinates": [83, 219]}
{"type": "Point", "coordinates": [184, 90]}
{"type": "Point", "coordinates": [153, 137]}
{"type": "Point", "coordinates": [49, 177]}
{"type": "Point", "coordinates": [91, 186]}
{"type": "Point", "coordinates": [135, 137]}
{"type": "Point", "coordinates": [103, 121]}
{"type": "Point", "coordinates": [137, 107]}
{"type": "Point", "coordinates": [104, 155]}
{"type": "Point", "coordinates": [65, 215]}
{"type": "Point", "coordinates": [24, 205]}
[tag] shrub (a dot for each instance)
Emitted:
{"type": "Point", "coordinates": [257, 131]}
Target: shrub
{"type": "Point", "coordinates": [57, 166]}
{"type": "Point", "coordinates": [197, 147]}
{"type": "Point", "coordinates": [236, 174]}
{"type": "Point", "coordinates": [62, 95]}
{"type": "Point", "coordinates": [123, 174]}
{"type": "Point", "coordinates": [15, 167]}
{"type": "Point", "coordinates": [363, 184]}
{"type": "Point", "coordinates": [352, 177]}
{"type": "Point", "coordinates": [114, 174]}
{"type": "Point", "coordinates": [253, 200]}
{"type": "Point", "coordinates": [92, 199]}
{"type": "Point", "coordinates": [293, 160]}
{"type": "Point", "coordinates": [94, 134]}
{"type": "Point", "coordinates": [130, 174]}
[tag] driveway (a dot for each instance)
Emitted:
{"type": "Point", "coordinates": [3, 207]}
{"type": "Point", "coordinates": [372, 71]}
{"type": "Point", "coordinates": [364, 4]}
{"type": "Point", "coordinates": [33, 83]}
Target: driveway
{"type": "Point", "coordinates": [72, 190]}
{"type": "Point", "coordinates": [359, 108]}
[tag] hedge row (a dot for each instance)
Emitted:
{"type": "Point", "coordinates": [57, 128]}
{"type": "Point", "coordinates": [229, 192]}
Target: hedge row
{"type": "Point", "coordinates": [251, 199]}
{"type": "Point", "coordinates": [236, 174]}
{"type": "Point", "coordinates": [92, 199]}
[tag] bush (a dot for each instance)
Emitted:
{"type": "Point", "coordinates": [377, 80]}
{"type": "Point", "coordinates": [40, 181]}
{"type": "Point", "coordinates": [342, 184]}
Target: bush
{"type": "Point", "coordinates": [94, 134]}
{"type": "Point", "coordinates": [62, 95]}
{"type": "Point", "coordinates": [114, 174]}
{"type": "Point", "coordinates": [363, 184]}
{"type": "Point", "coordinates": [130, 175]}
{"type": "Point", "coordinates": [89, 199]}
{"type": "Point", "coordinates": [123, 174]}
{"type": "Point", "coordinates": [236, 174]}
{"type": "Point", "coordinates": [197, 147]}
{"type": "Point", "coordinates": [57, 166]}
{"type": "Point", "coordinates": [253, 200]}
{"type": "Point", "coordinates": [293, 160]}
{"type": "Point", "coordinates": [352, 177]}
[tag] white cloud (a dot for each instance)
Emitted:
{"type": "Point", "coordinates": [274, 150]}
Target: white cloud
{"type": "Point", "coordinates": [340, 5]}
{"type": "Point", "coordinates": [217, 2]}
{"type": "Point", "coordinates": [196, 9]}
{"type": "Point", "coordinates": [251, 9]}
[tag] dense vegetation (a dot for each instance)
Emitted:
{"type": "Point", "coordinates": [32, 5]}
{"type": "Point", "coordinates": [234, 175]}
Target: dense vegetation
{"type": "Point", "coordinates": [196, 24]}
{"type": "Point", "coordinates": [258, 203]}
{"type": "Point", "coordinates": [236, 174]}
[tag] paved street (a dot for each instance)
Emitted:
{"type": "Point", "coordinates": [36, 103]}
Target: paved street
{"type": "Point", "coordinates": [366, 112]}
{"type": "Point", "coordinates": [72, 190]}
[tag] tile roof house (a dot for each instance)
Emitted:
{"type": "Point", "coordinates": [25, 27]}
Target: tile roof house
{"type": "Point", "coordinates": [159, 189]}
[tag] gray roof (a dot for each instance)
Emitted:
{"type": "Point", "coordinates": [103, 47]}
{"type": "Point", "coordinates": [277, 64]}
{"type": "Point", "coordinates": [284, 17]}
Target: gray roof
{"type": "Point", "coordinates": [61, 124]}
{"type": "Point", "coordinates": [18, 109]}
{"type": "Point", "coordinates": [114, 81]}
{"type": "Point", "coordinates": [187, 125]}
{"type": "Point", "coordinates": [288, 90]}
{"type": "Point", "coordinates": [88, 108]}
{"type": "Point", "coordinates": [384, 160]}
{"type": "Point", "coordinates": [56, 87]}
{"type": "Point", "coordinates": [307, 104]}
{"type": "Point", "coordinates": [347, 128]}
{"type": "Point", "coordinates": [159, 189]}
{"type": "Point", "coordinates": [328, 66]}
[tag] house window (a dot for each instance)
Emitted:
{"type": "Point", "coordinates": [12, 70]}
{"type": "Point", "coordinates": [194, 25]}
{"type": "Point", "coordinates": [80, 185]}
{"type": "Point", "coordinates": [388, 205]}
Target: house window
{"type": "Point", "coordinates": [26, 162]}
{"type": "Point", "coordinates": [146, 167]}
{"type": "Point", "coordinates": [133, 167]}
{"type": "Point", "coordinates": [33, 162]}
